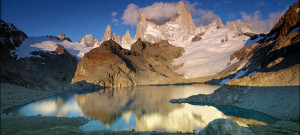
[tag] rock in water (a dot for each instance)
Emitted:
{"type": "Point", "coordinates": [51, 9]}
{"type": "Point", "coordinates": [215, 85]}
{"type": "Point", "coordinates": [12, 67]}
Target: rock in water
{"type": "Point", "coordinates": [112, 66]}
{"type": "Point", "coordinates": [224, 127]}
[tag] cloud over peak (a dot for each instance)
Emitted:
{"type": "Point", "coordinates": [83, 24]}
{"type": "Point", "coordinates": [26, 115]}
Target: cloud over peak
{"type": "Point", "coordinates": [159, 12]}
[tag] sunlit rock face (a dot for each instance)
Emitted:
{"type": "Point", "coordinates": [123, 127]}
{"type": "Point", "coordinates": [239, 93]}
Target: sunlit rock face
{"type": "Point", "coordinates": [112, 66]}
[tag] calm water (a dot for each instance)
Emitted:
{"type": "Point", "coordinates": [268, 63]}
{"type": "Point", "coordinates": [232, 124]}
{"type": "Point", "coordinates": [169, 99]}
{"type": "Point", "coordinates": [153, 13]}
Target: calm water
{"type": "Point", "coordinates": [144, 108]}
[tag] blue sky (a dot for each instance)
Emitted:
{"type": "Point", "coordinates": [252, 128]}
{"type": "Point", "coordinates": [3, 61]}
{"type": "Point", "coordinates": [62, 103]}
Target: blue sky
{"type": "Point", "coordinates": [76, 18]}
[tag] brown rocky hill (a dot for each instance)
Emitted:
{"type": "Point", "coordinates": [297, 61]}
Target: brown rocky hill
{"type": "Point", "coordinates": [112, 66]}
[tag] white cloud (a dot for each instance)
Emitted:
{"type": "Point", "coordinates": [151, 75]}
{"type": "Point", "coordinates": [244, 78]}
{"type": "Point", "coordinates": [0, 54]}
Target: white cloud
{"type": "Point", "coordinates": [159, 12]}
{"type": "Point", "coordinates": [113, 14]}
{"type": "Point", "coordinates": [259, 25]}
{"type": "Point", "coordinates": [114, 20]}
{"type": "Point", "coordinates": [131, 15]}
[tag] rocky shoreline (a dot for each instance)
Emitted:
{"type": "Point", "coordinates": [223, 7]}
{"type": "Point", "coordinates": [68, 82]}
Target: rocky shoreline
{"type": "Point", "coordinates": [280, 102]}
{"type": "Point", "coordinates": [14, 95]}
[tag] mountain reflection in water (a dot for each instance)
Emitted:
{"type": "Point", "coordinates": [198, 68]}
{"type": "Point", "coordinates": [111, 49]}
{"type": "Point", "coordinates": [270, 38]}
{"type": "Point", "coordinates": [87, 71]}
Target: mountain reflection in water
{"type": "Point", "coordinates": [144, 108]}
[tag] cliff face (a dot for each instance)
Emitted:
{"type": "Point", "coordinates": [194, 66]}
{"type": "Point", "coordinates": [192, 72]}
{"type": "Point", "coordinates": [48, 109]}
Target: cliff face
{"type": "Point", "coordinates": [112, 66]}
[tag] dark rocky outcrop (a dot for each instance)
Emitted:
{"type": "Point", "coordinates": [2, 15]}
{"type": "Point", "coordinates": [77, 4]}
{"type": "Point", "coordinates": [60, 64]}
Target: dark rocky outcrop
{"type": "Point", "coordinates": [62, 37]}
{"type": "Point", "coordinates": [11, 37]}
{"type": "Point", "coordinates": [197, 37]}
{"type": "Point", "coordinates": [46, 71]}
{"type": "Point", "coordinates": [112, 66]}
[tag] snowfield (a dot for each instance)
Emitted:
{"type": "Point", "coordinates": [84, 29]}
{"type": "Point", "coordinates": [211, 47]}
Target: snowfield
{"type": "Point", "coordinates": [209, 55]}
{"type": "Point", "coordinates": [44, 43]}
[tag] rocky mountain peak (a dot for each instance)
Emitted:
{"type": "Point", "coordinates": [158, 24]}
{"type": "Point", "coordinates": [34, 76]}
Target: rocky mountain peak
{"type": "Point", "coordinates": [107, 34]}
{"type": "Point", "coordinates": [62, 37]}
{"type": "Point", "coordinates": [184, 18]}
{"type": "Point", "coordinates": [89, 41]}
{"type": "Point", "coordinates": [217, 22]}
{"type": "Point", "coordinates": [288, 25]}
{"type": "Point", "coordinates": [140, 27]}
{"type": "Point", "coordinates": [288, 21]}
{"type": "Point", "coordinates": [127, 34]}
{"type": "Point", "coordinates": [10, 37]}
{"type": "Point", "coordinates": [126, 38]}
{"type": "Point", "coordinates": [239, 26]}
{"type": "Point", "coordinates": [142, 18]}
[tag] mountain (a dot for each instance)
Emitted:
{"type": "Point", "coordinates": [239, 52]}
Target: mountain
{"type": "Point", "coordinates": [272, 55]}
{"type": "Point", "coordinates": [89, 41]}
{"type": "Point", "coordinates": [179, 29]}
{"type": "Point", "coordinates": [62, 37]}
{"type": "Point", "coordinates": [112, 66]}
{"type": "Point", "coordinates": [42, 63]}
{"type": "Point", "coordinates": [127, 41]}
{"type": "Point", "coordinates": [11, 37]}
{"type": "Point", "coordinates": [124, 41]}
{"type": "Point", "coordinates": [262, 73]}
{"type": "Point", "coordinates": [209, 51]}
{"type": "Point", "coordinates": [207, 48]}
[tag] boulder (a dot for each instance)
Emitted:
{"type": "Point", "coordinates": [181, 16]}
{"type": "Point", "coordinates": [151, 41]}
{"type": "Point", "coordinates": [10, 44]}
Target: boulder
{"type": "Point", "coordinates": [224, 127]}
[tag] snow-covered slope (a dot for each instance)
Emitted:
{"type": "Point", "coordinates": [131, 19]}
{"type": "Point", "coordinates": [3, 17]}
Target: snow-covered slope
{"type": "Point", "coordinates": [211, 54]}
{"type": "Point", "coordinates": [32, 44]}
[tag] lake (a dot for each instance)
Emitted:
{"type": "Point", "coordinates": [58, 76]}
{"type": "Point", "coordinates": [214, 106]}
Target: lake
{"type": "Point", "coordinates": [142, 108]}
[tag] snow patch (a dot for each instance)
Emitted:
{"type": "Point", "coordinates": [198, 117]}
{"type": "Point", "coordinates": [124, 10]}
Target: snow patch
{"type": "Point", "coordinates": [152, 31]}
{"type": "Point", "coordinates": [250, 42]}
{"type": "Point", "coordinates": [252, 73]}
{"type": "Point", "coordinates": [294, 30]}
{"type": "Point", "coordinates": [242, 65]}
{"type": "Point", "coordinates": [238, 75]}
{"type": "Point", "coordinates": [32, 44]}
